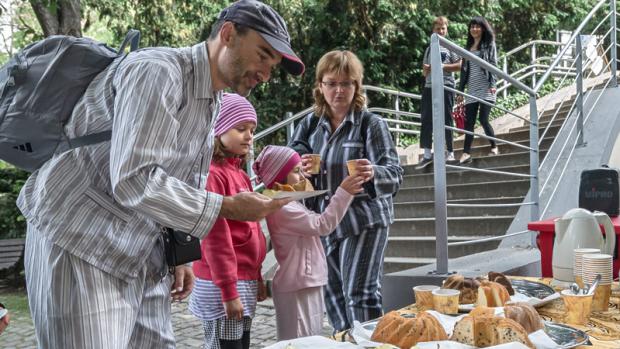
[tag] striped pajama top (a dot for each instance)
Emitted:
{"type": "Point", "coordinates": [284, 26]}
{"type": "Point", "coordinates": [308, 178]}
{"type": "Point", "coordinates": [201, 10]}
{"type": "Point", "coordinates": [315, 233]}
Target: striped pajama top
{"type": "Point", "coordinates": [374, 207]}
{"type": "Point", "coordinates": [105, 203]}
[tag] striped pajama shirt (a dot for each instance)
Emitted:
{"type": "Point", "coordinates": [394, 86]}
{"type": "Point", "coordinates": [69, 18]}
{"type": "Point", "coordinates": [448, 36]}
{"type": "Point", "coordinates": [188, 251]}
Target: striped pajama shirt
{"type": "Point", "coordinates": [95, 213]}
{"type": "Point", "coordinates": [355, 249]}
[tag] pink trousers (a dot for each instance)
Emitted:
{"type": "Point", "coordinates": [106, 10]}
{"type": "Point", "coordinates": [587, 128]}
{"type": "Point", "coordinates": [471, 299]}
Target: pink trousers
{"type": "Point", "coordinates": [299, 313]}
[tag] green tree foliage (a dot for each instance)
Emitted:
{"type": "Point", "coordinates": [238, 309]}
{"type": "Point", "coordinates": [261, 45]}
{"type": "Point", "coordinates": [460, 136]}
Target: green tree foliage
{"type": "Point", "coordinates": [389, 36]}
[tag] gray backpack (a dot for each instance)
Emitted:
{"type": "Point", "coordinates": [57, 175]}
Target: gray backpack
{"type": "Point", "coordinates": [39, 88]}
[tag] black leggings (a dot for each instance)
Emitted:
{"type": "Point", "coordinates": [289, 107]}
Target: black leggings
{"type": "Point", "coordinates": [471, 110]}
{"type": "Point", "coordinates": [243, 343]}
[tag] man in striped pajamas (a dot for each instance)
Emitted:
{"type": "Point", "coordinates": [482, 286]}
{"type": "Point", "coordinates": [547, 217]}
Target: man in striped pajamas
{"type": "Point", "coordinates": [95, 266]}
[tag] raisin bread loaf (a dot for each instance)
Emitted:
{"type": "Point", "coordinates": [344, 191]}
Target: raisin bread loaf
{"type": "Point", "coordinates": [486, 331]}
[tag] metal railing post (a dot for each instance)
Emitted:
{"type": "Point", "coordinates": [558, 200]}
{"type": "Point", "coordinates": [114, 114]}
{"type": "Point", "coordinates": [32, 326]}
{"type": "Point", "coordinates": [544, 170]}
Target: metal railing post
{"type": "Point", "coordinates": [533, 55]}
{"type": "Point", "coordinates": [397, 117]}
{"type": "Point", "coordinates": [439, 163]}
{"type": "Point", "coordinates": [614, 53]}
{"type": "Point", "coordinates": [505, 92]}
{"type": "Point", "coordinates": [250, 162]}
{"type": "Point", "coordinates": [534, 158]}
{"type": "Point", "coordinates": [579, 84]}
{"type": "Point", "coordinates": [290, 128]}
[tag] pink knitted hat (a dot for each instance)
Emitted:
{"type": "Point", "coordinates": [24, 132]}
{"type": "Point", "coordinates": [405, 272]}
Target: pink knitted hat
{"type": "Point", "coordinates": [274, 163]}
{"type": "Point", "coordinates": [234, 110]}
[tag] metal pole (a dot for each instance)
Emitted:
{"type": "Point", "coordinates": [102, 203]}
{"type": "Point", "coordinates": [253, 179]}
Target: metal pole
{"type": "Point", "coordinates": [439, 163]}
{"type": "Point", "coordinates": [290, 128]}
{"type": "Point", "coordinates": [534, 154]}
{"type": "Point", "coordinates": [614, 53]}
{"type": "Point", "coordinates": [533, 53]}
{"type": "Point", "coordinates": [579, 83]}
{"type": "Point", "coordinates": [505, 92]}
{"type": "Point", "coordinates": [397, 117]}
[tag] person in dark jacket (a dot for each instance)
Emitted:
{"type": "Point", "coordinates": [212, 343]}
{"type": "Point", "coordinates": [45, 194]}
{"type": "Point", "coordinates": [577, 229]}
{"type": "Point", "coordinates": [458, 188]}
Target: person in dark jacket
{"type": "Point", "coordinates": [479, 82]}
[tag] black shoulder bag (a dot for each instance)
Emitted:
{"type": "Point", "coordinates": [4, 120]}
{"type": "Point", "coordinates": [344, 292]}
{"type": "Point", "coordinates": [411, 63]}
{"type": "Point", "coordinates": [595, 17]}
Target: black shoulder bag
{"type": "Point", "coordinates": [181, 248]}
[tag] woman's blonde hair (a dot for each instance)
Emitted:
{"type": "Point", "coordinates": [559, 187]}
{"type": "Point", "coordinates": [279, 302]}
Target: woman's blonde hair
{"type": "Point", "coordinates": [220, 153]}
{"type": "Point", "coordinates": [339, 62]}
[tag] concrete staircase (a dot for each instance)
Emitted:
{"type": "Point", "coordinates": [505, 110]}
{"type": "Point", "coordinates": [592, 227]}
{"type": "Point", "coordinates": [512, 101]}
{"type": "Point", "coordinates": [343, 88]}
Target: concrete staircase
{"type": "Point", "coordinates": [412, 236]}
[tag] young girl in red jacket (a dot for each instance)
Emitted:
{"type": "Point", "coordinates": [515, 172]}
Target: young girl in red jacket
{"type": "Point", "coordinates": [229, 281]}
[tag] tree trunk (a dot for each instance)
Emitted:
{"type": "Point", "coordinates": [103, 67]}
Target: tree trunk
{"type": "Point", "coordinates": [58, 17]}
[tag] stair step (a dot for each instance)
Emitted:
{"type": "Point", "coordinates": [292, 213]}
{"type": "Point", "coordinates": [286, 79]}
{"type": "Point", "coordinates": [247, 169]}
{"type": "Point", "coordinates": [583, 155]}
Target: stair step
{"type": "Point", "coordinates": [424, 247]}
{"type": "Point", "coordinates": [512, 137]}
{"type": "Point", "coordinates": [454, 176]}
{"type": "Point", "coordinates": [457, 226]}
{"type": "Point", "coordinates": [467, 191]}
{"type": "Point", "coordinates": [427, 208]}
{"type": "Point", "coordinates": [541, 127]}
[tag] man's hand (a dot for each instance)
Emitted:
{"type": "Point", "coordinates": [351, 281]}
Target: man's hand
{"type": "Point", "coordinates": [234, 309]}
{"type": "Point", "coordinates": [249, 206]}
{"type": "Point", "coordinates": [183, 282]}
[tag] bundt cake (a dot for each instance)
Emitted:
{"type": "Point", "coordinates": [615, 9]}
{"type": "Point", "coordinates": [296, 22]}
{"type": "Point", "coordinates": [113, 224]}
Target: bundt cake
{"type": "Point", "coordinates": [467, 286]}
{"type": "Point", "coordinates": [492, 294]}
{"type": "Point", "coordinates": [525, 315]}
{"type": "Point", "coordinates": [502, 280]}
{"type": "Point", "coordinates": [486, 331]}
{"type": "Point", "coordinates": [407, 332]}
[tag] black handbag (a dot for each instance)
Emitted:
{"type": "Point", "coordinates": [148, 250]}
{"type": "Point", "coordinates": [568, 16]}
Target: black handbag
{"type": "Point", "coordinates": [181, 248]}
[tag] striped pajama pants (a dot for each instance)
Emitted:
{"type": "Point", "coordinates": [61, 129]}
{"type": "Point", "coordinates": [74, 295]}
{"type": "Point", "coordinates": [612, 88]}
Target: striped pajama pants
{"type": "Point", "coordinates": [75, 305]}
{"type": "Point", "coordinates": [355, 270]}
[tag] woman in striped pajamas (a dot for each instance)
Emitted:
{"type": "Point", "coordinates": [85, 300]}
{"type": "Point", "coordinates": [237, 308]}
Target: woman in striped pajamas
{"type": "Point", "coordinates": [340, 130]}
{"type": "Point", "coordinates": [480, 83]}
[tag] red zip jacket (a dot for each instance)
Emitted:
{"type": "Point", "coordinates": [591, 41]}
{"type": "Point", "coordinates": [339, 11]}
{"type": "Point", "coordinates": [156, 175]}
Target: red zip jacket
{"type": "Point", "coordinates": [233, 250]}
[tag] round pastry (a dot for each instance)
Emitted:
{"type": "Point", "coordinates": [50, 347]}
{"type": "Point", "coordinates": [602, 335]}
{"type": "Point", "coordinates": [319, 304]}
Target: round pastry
{"type": "Point", "coordinates": [467, 286]}
{"type": "Point", "coordinates": [486, 331]}
{"type": "Point", "coordinates": [406, 332]}
{"type": "Point", "coordinates": [525, 315]}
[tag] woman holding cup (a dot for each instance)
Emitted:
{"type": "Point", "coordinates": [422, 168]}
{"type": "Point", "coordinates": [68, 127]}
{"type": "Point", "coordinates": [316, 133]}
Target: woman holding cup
{"type": "Point", "coordinates": [340, 131]}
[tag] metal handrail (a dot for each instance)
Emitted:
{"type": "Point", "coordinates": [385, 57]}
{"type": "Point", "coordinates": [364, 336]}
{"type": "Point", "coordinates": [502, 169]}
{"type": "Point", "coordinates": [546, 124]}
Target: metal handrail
{"type": "Point", "coordinates": [477, 241]}
{"type": "Point", "coordinates": [582, 67]}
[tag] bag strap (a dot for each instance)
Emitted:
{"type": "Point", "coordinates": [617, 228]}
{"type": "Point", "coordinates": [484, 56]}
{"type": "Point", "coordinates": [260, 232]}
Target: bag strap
{"type": "Point", "coordinates": [132, 38]}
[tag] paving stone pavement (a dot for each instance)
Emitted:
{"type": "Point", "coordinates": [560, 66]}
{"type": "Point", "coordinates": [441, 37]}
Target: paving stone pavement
{"type": "Point", "coordinates": [187, 329]}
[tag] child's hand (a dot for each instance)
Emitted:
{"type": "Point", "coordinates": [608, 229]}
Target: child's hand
{"type": "Point", "coordinates": [352, 185]}
{"type": "Point", "coordinates": [234, 309]}
{"type": "Point", "coordinates": [262, 291]}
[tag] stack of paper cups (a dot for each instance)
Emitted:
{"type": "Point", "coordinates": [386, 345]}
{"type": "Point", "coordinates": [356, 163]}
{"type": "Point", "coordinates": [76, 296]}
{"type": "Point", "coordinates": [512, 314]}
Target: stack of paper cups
{"type": "Point", "coordinates": [593, 264]}
{"type": "Point", "coordinates": [577, 264]}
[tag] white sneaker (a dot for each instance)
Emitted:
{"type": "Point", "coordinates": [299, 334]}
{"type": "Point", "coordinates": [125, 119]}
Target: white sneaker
{"type": "Point", "coordinates": [494, 151]}
{"type": "Point", "coordinates": [465, 159]}
{"type": "Point", "coordinates": [450, 158]}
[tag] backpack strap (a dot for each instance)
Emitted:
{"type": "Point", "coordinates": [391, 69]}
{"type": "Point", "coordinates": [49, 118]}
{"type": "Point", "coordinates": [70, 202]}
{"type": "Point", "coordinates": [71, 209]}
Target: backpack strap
{"type": "Point", "coordinates": [92, 138]}
{"type": "Point", "coordinates": [132, 38]}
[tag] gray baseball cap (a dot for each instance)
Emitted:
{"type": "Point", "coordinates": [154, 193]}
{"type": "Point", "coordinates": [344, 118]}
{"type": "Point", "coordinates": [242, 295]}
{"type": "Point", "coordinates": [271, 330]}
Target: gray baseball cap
{"type": "Point", "coordinates": [270, 25]}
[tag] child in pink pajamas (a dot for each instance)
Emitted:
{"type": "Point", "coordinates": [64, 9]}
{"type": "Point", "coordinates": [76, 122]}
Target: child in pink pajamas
{"type": "Point", "coordinates": [295, 232]}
